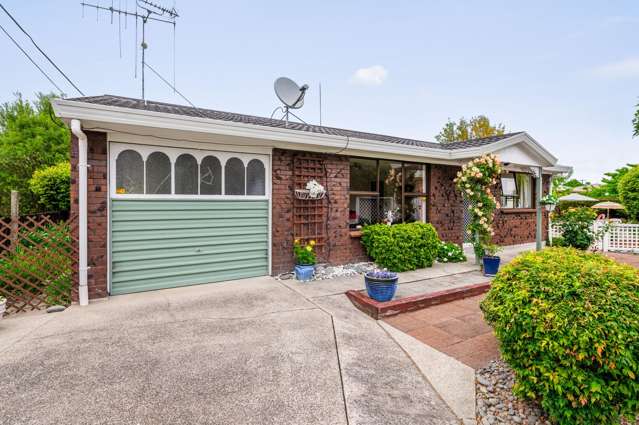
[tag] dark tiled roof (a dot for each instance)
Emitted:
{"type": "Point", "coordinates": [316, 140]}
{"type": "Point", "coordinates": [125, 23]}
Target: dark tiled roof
{"type": "Point", "coordinates": [126, 102]}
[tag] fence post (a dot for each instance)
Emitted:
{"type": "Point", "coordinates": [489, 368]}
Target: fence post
{"type": "Point", "coordinates": [15, 217]}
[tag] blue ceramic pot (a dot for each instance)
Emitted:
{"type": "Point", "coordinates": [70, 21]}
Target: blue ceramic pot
{"type": "Point", "coordinates": [381, 290]}
{"type": "Point", "coordinates": [304, 272]}
{"type": "Point", "coordinates": [491, 265]}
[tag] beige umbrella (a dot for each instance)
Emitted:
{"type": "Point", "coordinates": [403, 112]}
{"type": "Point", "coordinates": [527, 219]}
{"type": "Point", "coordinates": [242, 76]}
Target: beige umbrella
{"type": "Point", "coordinates": [608, 205]}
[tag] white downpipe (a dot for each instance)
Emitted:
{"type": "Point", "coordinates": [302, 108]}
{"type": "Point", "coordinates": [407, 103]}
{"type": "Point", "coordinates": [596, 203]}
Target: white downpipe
{"type": "Point", "coordinates": [83, 290]}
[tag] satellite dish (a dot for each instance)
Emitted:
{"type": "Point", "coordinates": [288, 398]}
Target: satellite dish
{"type": "Point", "coordinates": [291, 95]}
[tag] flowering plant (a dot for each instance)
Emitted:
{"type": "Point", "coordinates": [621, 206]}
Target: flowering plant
{"type": "Point", "coordinates": [2, 299]}
{"type": "Point", "coordinates": [474, 182]}
{"type": "Point", "coordinates": [549, 199]}
{"type": "Point", "coordinates": [315, 190]}
{"type": "Point", "coordinates": [304, 252]}
{"type": "Point", "coordinates": [381, 274]}
{"type": "Point", "coordinates": [449, 252]}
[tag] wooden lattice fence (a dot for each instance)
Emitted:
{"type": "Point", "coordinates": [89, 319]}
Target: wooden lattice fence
{"type": "Point", "coordinates": [38, 257]}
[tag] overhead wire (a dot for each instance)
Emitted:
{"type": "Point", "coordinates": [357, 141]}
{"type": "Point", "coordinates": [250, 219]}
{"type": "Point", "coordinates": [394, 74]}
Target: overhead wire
{"type": "Point", "coordinates": [39, 49]}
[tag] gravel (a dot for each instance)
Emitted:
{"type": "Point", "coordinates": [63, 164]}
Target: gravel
{"type": "Point", "coordinates": [496, 403]}
{"type": "Point", "coordinates": [326, 271]}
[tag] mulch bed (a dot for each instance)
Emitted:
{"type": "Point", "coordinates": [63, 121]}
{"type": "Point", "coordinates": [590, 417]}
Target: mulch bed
{"type": "Point", "coordinates": [497, 405]}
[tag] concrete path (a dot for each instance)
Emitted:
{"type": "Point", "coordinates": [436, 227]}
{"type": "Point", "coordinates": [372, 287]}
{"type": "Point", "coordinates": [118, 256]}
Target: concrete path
{"type": "Point", "coordinates": [244, 352]}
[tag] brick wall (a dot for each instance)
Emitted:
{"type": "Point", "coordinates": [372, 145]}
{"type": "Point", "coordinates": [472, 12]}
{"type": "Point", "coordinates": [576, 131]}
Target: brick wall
{"type": "Point", "coordinates": [445, 204]}
{"type": "Point", "coordinates": [339, 242]}
{"type": "Point", "coordinates": [97, 198]}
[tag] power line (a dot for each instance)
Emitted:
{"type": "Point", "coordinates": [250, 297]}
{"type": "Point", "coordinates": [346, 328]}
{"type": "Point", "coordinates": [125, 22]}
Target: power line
{"type": "Point", "coordinates": [40, 50]}
{"type": "Point", "coordinates": [32, 61]}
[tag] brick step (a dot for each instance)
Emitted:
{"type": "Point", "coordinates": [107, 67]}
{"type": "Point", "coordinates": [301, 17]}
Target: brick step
{"type": "Point", "coordinates": [378, 310]}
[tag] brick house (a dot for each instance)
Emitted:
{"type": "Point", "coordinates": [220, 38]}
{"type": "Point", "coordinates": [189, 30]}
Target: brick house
{"type": "Point", "coordinates": [169, 195]}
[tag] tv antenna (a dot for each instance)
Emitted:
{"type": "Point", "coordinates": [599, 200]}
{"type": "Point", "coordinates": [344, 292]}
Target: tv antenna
{"type": "Point", "coordinates": [144, 11]}
{"type": "Point", "coordinates": [291, 95]}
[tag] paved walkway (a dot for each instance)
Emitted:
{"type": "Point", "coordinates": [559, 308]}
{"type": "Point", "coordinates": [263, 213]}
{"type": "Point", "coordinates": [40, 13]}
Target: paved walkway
{"type": "Point", "coordinates": [457, 329]}
{"type": "Point", "coordinates": [251, 351]}
{"type": "Point", "coordinates": [631, 259]}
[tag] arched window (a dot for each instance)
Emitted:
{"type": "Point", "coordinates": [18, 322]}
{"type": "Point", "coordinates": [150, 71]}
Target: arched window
{"type": "Point", "coordinates": [210, 176]}
{"type": "Point", "coordinates": [234, 177]}
{"type": "Point", "coordinates": [129, 173]}
{"type": "Point", "coordinates": [158, 174]}
{"type": "Point", "coordinates": [255, 181]}
{"type": "Point", "coordinates": [186, 175]}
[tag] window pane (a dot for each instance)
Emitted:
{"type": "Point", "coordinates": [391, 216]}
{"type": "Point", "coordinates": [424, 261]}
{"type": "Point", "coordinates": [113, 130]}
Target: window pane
{"type": "Point", "coordinates": [158, 174]}
{"type": "Point", "coordinates": [186, 175]}
{"type": "Point", "coordinates": [414, 208]}
{"type": "Point", "coordinates": [363, 175]}
{"type": "Point", "coordinates": [390, 184]}
{"type": "Point", "coordinates": [509, 197]}
{"type": "Point", "coordinates": [255, 179]}
{"type": "Point", "coordinates": [524, 183]}
{"type": "Point", "coordinates": [414, 180]}
{"type": "Point", "coordinates": [234, 177]}
{"type": "Point", "coordinates": [129, 173]}
{"type": "Point", "coordinates": [210, 176]}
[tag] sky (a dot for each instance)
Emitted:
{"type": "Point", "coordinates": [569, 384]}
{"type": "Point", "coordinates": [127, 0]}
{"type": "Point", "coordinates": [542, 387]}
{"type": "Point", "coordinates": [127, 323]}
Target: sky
{"type": "Point", "coordinates": [566, 72]}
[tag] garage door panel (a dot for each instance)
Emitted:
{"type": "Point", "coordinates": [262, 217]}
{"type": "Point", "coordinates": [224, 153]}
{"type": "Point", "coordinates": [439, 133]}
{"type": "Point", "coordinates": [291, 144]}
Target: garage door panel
{"type": "Point", "coordinates": [162, 282]}
{"type": "Point", "coordinates": [133, 248]}
{"type": "Point", "coordinates": [167, 243]}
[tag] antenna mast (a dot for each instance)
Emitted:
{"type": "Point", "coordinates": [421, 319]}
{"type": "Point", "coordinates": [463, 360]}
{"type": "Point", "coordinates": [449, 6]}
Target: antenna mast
{"type": "Point", "coordinates": [144, 11]}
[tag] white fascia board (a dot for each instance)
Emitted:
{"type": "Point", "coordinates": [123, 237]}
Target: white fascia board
{"type": "Point", "coordinates": [279, 137]}
{"type": "Point", "coordinates": [558, 169]}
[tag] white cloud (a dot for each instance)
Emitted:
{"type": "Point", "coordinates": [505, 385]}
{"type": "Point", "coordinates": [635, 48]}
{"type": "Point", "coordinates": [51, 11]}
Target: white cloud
{"type": "Point", "coordinates": [372, 76]}
{"type": "Point", "coordinates": [621, 69]}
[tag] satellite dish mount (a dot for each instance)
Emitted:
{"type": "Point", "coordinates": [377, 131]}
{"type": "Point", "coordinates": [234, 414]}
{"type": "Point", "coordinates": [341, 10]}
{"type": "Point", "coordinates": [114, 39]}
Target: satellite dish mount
{"type": "Point", "coordinates": [291, 95]}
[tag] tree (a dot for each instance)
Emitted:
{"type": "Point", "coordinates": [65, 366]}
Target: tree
{"type": "Point", "coordinates": [635, 122]}
{"type": "Point", "coordinates": [31, 138]}
{"type": "Point", "coordinates": [475, 128]}
{"type": "Point", "coordinates": [610, 184]}
{"type": "Point", "coordinates": [629, 192]}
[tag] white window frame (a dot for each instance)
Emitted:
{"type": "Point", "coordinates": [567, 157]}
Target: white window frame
{"type": "Point", "coordinates": [145, 150]}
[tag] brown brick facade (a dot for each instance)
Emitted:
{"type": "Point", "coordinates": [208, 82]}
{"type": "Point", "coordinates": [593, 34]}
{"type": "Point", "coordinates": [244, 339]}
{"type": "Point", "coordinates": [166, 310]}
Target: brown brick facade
{"type": "Point", "coordinates": [445, 204]}
{"type": "Point", "coordinates": [97, 199]}
{"type": "Point", "coordinates": [338, 250]}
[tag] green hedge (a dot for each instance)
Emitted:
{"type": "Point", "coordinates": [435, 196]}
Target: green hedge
{"type": "Point", "coordinates": [401, 247]}
{"type": "Point", "coordinates": [568, 324]}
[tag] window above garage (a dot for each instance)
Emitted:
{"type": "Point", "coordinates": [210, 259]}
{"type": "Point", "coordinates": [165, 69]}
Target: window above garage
{"type": "Point", "coordinates": [141, 171]}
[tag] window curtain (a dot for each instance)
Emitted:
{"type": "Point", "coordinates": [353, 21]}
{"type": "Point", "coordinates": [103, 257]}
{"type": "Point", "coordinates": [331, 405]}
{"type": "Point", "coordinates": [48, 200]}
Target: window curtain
{"type": "Point", "coordinates": [524, 183]}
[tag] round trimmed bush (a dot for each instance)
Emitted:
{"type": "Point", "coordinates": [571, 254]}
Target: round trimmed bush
{"type": "Point", "coordinates": [568, 325]}
{"type": "Point", "coordinates": [401, 247]}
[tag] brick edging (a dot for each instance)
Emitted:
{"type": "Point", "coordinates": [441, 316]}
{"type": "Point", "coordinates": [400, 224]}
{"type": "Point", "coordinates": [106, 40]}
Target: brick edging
{"type": "Point", "coordinates": [378, 310]}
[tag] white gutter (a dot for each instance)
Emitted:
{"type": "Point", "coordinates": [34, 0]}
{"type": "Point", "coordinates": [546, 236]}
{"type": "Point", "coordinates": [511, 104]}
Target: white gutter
{"type": "Point", "coordinates": [76, 129]}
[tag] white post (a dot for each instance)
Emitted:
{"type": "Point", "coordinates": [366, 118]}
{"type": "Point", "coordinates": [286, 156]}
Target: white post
{"type": "Point", "coordinates": [83, 290]}
{"type": "Point", "coordinates": [538, 190]}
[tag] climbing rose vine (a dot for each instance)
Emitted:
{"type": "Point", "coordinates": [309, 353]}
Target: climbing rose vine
{"type": "Point", "coordinates": [474, 182]}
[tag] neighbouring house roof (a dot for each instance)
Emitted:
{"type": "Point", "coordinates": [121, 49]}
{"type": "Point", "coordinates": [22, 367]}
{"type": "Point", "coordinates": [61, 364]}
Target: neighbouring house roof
{"type": "Point", "coordinates": [127, 102]}
{"type": "Point", "coordinates": [576, 197]}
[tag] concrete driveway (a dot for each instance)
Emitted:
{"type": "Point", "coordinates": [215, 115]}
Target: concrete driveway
{"type": "Point", "coordinates": [245, 352]}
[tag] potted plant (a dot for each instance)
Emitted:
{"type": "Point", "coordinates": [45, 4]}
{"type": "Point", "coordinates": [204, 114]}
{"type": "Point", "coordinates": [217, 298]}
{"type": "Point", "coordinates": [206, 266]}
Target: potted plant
{"type": "Point", "coordinates": [381, 285]}
{"type": "Point", "coordinates": [549, 201]}
{"type": "Point", "coordinates": [491, 260]}
{"type": "Point", "coordinates": [3, 305]}
{"type": "Point", "coordinates": [304, 260]}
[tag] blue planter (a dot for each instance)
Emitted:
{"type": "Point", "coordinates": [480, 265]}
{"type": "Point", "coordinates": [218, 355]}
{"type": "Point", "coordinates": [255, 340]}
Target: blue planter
{"type": "Point", "coordinates": [491, 265]}
{"type": "Point", "coordinates": [381, 290]}
{"type": "Point", "coordinates": [304, 272]}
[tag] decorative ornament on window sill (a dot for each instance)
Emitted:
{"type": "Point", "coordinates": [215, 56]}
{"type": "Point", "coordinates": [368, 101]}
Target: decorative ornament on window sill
{"type": "Point", "coordinates": [313, 190]}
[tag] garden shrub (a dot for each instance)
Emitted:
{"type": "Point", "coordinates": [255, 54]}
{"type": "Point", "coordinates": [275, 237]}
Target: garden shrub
{"type": "Point", "coordinates": [51, 187]}
{"type": "Point", "coordinates": [576, 228]}
{"type": "Point", "coordinates": [568, 325]}
{"type": "Point", "coordinates": [558, 241]}
{"type": "Point", "coordinates": [449, 252]}
{"type": "Point", "coordinates": [401, 247]}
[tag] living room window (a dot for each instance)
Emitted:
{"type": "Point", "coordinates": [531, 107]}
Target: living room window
{"type": "Point", "coordinates": [381, 190]}
{"type": "Point", "coordinates": [517, 190]}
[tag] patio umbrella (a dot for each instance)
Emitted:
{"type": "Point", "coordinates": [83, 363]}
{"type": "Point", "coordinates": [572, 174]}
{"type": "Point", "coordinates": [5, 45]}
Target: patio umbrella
{"type": "Point", "coordinates": [576, 197]}
{"type": "Point", "coordinates": [608, 205]}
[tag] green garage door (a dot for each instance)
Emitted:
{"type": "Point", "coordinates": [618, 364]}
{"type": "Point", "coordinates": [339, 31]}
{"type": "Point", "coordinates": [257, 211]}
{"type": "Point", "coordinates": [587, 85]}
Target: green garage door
{"type": "Point", "coordinates": [159, 244]}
